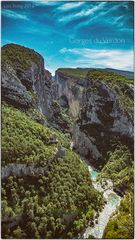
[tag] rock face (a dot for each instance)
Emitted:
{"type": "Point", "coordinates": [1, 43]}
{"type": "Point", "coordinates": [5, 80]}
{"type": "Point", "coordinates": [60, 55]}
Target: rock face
{"type": "Point", "coordinates": [25, 83]}
{"type": "Point", "coordinates": [94, 103]}
{"type": "Point", "coordinates": [31, 169]}
{"type": "Point", "coordinates": [13, 91]}
{"type": "Point", "coordinates": [102, 120]}
{"type": "Point", "coordinates": [70, 92]}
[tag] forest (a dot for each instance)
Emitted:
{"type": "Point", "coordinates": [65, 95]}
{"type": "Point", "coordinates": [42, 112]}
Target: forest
{"type": "Point", "coordinates": [40, 206]}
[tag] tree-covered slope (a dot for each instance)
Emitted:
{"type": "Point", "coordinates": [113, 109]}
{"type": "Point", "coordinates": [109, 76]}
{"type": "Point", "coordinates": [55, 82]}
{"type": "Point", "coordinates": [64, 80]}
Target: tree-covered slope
{"type": "Point", "coordinates": [25, 141]}
{"type": "Point", "coordinates": [121, 224]}
{"type": "Point", "coordinates": [79, 73]}
{"type": "Point", "coordinates": [47, 191]}
{"type": "Point", "coordinates": [19, 56]}
{"type": "Point", "coordinates": [119, 169]}
{"type": "Point", "coordinates": [43, 206]}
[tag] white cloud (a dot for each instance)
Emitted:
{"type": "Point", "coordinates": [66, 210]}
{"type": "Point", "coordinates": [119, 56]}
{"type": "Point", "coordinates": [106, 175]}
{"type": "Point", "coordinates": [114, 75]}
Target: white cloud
{"type": "Point", "coordinates": [14, 15]}
{"type": "Point", "coordinates": [91, 11]}
{"type": "Point", "coordinates": [82, 13]}
{"type": "Point", "coordinates": [65, 50]}
{"type": "Point", "coordinates": [45, 3]}
{"type": "Point", "coordinates": [70, 5]}
{"type": "Point", "coordinates": [119, 59]}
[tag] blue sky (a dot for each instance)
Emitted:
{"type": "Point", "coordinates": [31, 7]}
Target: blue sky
{"type": "Point", "coordinates": [72, 34]}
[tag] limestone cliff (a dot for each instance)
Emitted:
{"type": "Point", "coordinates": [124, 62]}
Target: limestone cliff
{"type": "Point", "coordinates": [45, 184]}
{"type": "Point", "coordinates": [70, 90]}
{"type": "Point", "coordinates": [25, 82]}
{"type": "Point", "coordinates": [99, 102]}
{"type": "Point", "coordinates": [102, 103]}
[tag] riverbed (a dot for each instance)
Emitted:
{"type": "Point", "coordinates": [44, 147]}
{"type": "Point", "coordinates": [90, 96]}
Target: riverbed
{"type": "Point", "coordinates": [112, 201]}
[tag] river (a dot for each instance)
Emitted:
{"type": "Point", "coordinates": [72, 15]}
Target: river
{"type": "Point", "coordinates": [112, 201]}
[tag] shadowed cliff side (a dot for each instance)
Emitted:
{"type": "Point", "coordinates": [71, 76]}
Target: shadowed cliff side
{"type": "Point", "coordinates": [28, 86]}
{"type": "Point", "coordinates": [101, 104]}
{"type": "Point", "coordinates": [47, 191]}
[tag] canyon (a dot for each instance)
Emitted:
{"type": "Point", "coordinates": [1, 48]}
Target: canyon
{"type": "Point", "coordinates": [93, 108]}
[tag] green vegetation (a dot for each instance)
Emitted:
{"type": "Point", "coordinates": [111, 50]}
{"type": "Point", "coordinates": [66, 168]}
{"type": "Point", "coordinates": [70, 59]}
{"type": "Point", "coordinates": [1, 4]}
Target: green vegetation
{"type": "Point", "coordinates": [62, 202]}
{"type": "Point", "coordinates": [19, 56]}
{"type": "Point", "coordinates": [116, 82]}
{"type": "Point", "coordinates": [55, 205]}
{"type": "Point", "coordinates": [119, 166]}
{"type": "Point", "coordinates": [102, 75]}
{"type": "Point", "coordinates": [119, 169]}
{"type": "Point", "coordinates": [48, 201]}
{"type": "Point", "coordinates": [74, 72]}
{"type": "Point", "coordinates": [120, 226]}
{"type": "Point", "coordinates": [25, 141]}
{"type": "Point", "coordinates": [91, 237]}
{"type": "Point", "coordinates": [65, 116]}
{"type": "Point", "coordinates": [36, 115]}
{"type": "Point", "coordinates": [62, 117]}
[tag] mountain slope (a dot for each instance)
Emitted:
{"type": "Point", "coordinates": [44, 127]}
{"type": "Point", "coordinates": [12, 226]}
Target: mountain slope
{"type": "Point", "coordinates": [45, 195]}
{"type": "Point", "coordinates": [101, 105]}
{"type": "Point", "coordinates": [46, 188]}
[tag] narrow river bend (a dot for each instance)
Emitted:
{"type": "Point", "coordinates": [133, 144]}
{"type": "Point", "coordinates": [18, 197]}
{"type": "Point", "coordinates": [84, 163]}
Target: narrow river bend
{"type": "Point", "coordinates": [112, 199]}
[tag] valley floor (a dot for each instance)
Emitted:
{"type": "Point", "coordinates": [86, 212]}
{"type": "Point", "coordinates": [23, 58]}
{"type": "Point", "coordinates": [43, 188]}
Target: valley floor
{"type": "Point", "coordinates": [112, 201]}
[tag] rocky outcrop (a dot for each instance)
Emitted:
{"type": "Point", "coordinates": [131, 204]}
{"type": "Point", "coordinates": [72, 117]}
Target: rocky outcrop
{"type": "Point", "coordinates": [21, 170]}
{"type": "Point", "coordinates": [102, 121]}
{"type": "Point", "coordinates": [102, 124]}
{"type": "Point", "coordinates": [9, 222]}
{"type": "Point", "coordinates": [69, 92]}
{"type": "Point", "coordinates": [25, 82]}
{"type": "Point", "coordinates": [28, 86]}
{"type": "Point", "coordinates": [84, 145]}
{"type": "Point", "coordinates": [13, 91]}
{"type": "Point", "coordinates": [92, 104]}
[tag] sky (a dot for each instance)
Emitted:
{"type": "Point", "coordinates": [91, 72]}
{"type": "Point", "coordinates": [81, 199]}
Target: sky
{"type": "Point", "coordinates": [72, 34]}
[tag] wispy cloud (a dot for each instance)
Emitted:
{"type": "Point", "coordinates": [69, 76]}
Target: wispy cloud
{"type": "Point", "coordinates": [84, 22]}
{"type": "Point", "coordinates": [82, 13]}
{"type": "Point", "coordinates": [92, 10]}
{"type": "Point", "coordinates": [69, 6]}
{"type": "Point", "coordinates": [105, 11]}
{"type": "Point", "coordinates": [45, 3]}
{"type": "Point", "coordinates": [120, 59]}
{"type": "Point", "coordinates": [14, 15]}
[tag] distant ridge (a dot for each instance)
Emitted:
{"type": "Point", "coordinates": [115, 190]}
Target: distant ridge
{"type": "Point", "coordinates": [82, 72]}
{"type": "Point", "coordinates": [128, 74]}
{"type": "Point", "coordinates": [121, 72]}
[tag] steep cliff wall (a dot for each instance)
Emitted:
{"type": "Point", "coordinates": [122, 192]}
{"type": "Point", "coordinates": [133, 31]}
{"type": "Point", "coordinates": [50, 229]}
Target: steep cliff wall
{"type": "Point", "coordinates": [25, 83]}
{"type": "Point", "coordinates": [28, 86]}
{"type": "Point", "coordinates": [102, 104]}
{"type": "Point", "coordinates": [46, 186]}
{"type": "Point", "coordinates": [70, 91]}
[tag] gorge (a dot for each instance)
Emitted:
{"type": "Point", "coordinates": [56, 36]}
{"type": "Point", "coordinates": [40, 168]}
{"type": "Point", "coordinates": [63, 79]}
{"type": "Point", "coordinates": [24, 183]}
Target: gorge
{"type": "Point", "coordinates": [54, 133]}
{"type": "Point", "coordinates": [112, 202]}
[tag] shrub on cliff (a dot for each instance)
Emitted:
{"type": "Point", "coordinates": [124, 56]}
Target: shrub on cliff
{"type": "Point", "coordinates": [79, 73]}
{"type": "Point", "coordinates": [118, 83]}
{"type": "Point", "coordinates": [19, 56]}
{"type": "Point", "coordinates": [119, 169]}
